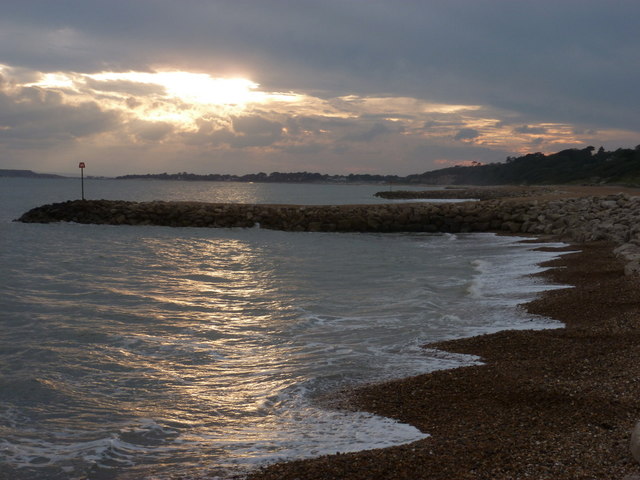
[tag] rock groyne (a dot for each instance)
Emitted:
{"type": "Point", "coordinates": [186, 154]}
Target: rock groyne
{"type": "Point", "coordinates": [470, 193]}
{"type": "Point", "coordinates": [614, 218]}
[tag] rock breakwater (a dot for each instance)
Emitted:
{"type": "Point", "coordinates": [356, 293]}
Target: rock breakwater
{"type": "Point", "coordinates": [614, 218]}
{"type": "Point", "coordinates": [475, 193]}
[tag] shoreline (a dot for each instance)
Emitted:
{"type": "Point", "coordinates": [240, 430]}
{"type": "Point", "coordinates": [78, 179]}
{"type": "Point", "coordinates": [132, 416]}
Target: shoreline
{"type": "Point", "coordinates": [545, 404]}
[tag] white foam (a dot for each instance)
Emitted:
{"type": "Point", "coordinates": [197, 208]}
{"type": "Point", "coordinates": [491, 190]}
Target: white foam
{"type": "Point", "coordinates": [476, 288]}
{"type": "Point", "coordinates": [40, 454]}
{"type": "Point", "coordinates": [289, 436]}
{"type": "Point", "coordinates": [351, 308]}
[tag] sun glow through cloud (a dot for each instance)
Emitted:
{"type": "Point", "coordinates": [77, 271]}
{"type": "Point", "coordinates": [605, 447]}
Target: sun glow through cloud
{"type": "Point", "coordinates": [188, 87]}
{"type": "Point", "coordinates": [197, 88]}
{"type": "Point", "coordinates": [53, 80]}
{"type": "Point", "coordinates": [177, 97]}
{"type": "Point", "coordinates": [176, 113]}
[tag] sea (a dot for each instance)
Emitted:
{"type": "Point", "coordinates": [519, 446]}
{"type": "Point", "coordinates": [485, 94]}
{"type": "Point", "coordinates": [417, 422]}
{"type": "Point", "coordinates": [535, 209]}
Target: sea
{"type": "Point", "coordinates": [145, 352]}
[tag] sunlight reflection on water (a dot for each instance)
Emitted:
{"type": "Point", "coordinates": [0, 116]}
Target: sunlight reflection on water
{"type": "Point", "coordinates": [158, 351]}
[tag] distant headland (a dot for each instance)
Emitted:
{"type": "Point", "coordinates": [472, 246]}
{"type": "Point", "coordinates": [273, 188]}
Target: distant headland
{"type": "Point", "coordinates": [586, 166]}
{"type": "Point", "coordinates": [26, 174]}
{"type": "Point", "coordinates": [571, 166]}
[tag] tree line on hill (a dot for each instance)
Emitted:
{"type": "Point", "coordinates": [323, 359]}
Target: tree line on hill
{"type": "Point", "coordinates": [578, 166]}
{"type": "Point", "coordinates": [8, 172]}
{"type": "Point", "coordinates": [274, 177]}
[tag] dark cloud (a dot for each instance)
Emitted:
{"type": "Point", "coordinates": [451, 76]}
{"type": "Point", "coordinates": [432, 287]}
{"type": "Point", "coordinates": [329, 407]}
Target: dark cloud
{"type": "Point", "coordinates": [574, 62]}
{"type": "Point", "coordinates": [150, 131]}
{"type": "Point", "coordinates": [255, 132]}
{"type": "Point", "coordinates": [557, 61]}
{"type": "Point", "coordinates": [316, 124]}
{"type": "Point", "coordinates": [40, 119]}
{"type": "Point", "coordinates": [370, 133]}
{"type": "Point", "coordinates": [132, 102]}
{"type": "Point", "coordinates": [530, 130]}
{"type": "Point", "coordinates": [447, 50]}
{"type": "Point", "coordinates": [467, 134]}
{"type": "Point", "coordinates": [250, 131]}
{"type": "Point", "coordinates": [384, 116]}
{"type": "Point", "coordinates": [585, 131]}
{"type": "Point", "coordinates": [304, 149]}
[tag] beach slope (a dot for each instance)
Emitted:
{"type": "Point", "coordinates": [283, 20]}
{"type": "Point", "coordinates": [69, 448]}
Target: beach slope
{"type": "Point", "coordinates": [551, 404]}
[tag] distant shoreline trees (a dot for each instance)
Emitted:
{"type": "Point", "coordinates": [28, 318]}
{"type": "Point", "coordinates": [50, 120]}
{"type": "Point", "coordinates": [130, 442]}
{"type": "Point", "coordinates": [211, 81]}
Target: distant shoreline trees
{"type": "Point", "coordinates": [577, 166]}
{"type": "Point", "coordinates": [573, 166]}
{"type": "Point", "coordinates": [274, 177]}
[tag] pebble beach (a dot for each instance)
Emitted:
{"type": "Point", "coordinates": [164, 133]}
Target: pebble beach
{"type": "Point", "coordinates": [552, 404]}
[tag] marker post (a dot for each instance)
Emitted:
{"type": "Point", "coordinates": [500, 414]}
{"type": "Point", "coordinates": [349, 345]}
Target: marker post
{"type": "Point", "coordinates": [81, 166]}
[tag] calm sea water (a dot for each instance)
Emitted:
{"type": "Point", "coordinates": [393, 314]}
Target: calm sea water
{"type": "Point", "coordinates": [152, 352]}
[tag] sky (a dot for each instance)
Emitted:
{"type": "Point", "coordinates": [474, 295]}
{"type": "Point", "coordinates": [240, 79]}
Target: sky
{"type": "Point", "coordinates": [329, 86]}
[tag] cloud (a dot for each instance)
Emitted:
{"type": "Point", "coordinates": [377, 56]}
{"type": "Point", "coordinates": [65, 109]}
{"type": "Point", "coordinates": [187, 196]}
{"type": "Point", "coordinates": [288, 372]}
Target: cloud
{"type": "Point", "coordinates": [376, 130]}
{"type": "Point", "coordinates": [124, 87]}
{"type": "Point", "coordinates": [242, 132]}
{"type": "Point", "coordinates": [461, 51]}
{"type": "Point", "coordinates": [150, 131]}
{"type": "Point", "coordinates": [467, 134]}
{"type": "Point", "coordinates": [255, 132]}
{"type": "Point", "coordinates": [530, 130]}
{"type": "Point", "coordinates": [359, 76]}
{"type": "Point", "coordinates": [316, 125]}
{"type": "Point", "coordinates": [39, 118]}
{"type": "Point", "coordinates": [305, 149]}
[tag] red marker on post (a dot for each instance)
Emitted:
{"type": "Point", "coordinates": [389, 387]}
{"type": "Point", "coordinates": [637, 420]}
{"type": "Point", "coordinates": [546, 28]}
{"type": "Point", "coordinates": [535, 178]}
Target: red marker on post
{"type": "Point", "coordinates": [81, 166]}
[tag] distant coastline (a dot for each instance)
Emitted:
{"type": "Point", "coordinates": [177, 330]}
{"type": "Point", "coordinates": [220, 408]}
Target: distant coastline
{"type": "Point", "coordinates": [5, 172]}
{"type": "Point", "coordinates": [573, 166]}
{"type": "Point", "coordinates": [586, 166]}
{"type": "Point", "coordinates": [274, 177]}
